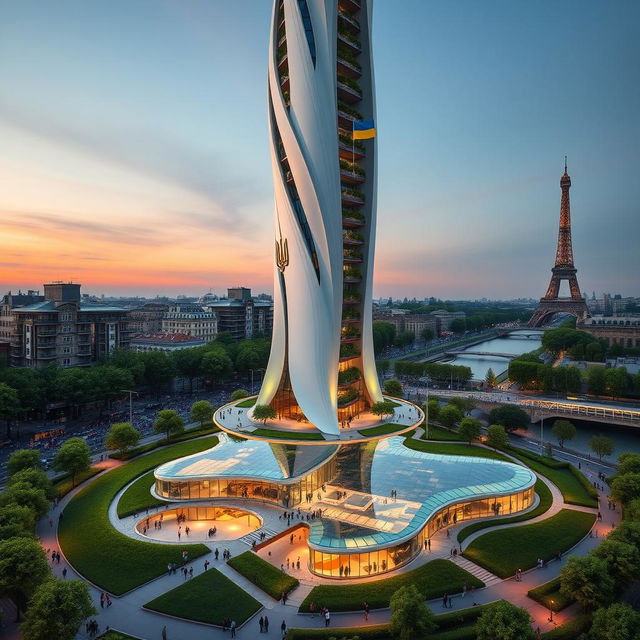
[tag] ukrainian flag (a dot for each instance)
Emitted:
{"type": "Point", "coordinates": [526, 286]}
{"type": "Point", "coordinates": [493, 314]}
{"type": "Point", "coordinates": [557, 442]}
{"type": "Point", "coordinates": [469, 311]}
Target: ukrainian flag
{"type": "Point", "coordinates": [364, 130]}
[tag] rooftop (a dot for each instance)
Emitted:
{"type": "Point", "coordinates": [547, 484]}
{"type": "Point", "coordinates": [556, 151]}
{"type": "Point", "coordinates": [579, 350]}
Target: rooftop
{"type": "Point", "coordinates": [167, 338]}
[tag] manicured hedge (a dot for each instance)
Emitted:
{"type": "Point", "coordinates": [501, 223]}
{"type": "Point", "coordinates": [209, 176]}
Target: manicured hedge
{"type": "Point", "coordinates": [114, 562]}
{"type": "Point", "coordinates": [546, 500]}
{"type": "Point", "coordinates": [505, 550]}
{"type": "Point", "coordinates": [571, 630]}
{"type": "Point", "coordinates": [549, 592]}
{"type": "Point", "coordinates": [433, 580]}
{"type": "Point", "coordinates": [291, 435]}
{"type": "Point", "coordinates": [382, 429]}
{"type": "Point", "coordinates": [263, 574]}
{"type": "Point", "coordinates": [209, 597]}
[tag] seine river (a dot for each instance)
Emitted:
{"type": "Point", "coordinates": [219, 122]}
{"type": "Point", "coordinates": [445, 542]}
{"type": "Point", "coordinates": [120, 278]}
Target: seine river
{"type": "Point", "coordinates": [518, 342]}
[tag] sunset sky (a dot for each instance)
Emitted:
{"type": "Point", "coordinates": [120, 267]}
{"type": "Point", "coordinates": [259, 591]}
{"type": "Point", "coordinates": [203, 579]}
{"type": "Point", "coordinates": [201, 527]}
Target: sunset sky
{"type": "Point", "coordinates": [134, 150]}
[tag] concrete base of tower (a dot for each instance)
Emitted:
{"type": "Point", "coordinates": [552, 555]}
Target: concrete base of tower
{"type": "Point", "coordinates": [236, 418]}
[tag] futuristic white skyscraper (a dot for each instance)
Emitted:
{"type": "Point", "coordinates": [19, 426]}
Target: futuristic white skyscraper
{"type": "Point", "coordinates": [322, 364]}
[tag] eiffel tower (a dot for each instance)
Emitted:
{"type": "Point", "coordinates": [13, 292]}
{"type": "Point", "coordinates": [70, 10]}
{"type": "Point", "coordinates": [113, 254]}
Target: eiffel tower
{"type": "Point", "coordinates": [564, 269]}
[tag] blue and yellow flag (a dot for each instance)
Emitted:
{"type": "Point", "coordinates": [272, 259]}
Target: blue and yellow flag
{"type": "Point", "coordinates": [364, 130]}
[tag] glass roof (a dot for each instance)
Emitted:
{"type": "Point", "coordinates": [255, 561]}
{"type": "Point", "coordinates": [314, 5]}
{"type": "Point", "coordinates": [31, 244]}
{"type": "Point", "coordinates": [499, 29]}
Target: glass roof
{"type": "Point", "coordinates": [233, 458]}
{"type": "Point", "coordinates": [423, 482]}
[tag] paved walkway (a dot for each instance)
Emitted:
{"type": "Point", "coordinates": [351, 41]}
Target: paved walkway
{"type": "Point", "coordinates": [126, 614]}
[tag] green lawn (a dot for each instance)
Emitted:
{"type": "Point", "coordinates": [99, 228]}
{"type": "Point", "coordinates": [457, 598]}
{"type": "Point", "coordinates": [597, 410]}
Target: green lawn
{"type": "Point", "coordinates": [62, 485]}
{"type": "Point", "coordinates": [109, 559]}
{"type": "Point", "coordinates": [187, 434]}
{"type": "Point", "coordinates": [382, 429]}
{"type": "Point", "coordinates": [137, 497]}
{"type": "Point", "coordinates": [432, 580]}
{"type": "Point", "coordinates": [505, 550]}
{"type": "Point", "coordinates": [575, 488]}
{"type": "Point", "coordinates": [209, 597]}
{"type": "Point", "coordinates": [440, 433]}
{"type": "Point", "coordinates": [546, 499]}
{"type": "Point", "coordinates": [454, 449]}
{"type": "Point", "coordinates": [263, 574]}
{"type": "Point", "coordinates": [291, 435]}
{"type": "Point", "coordinates": [548, 595]}
{"type": "Point", "coordinates": [245, 404]}
{"type": "Point", "coordinates": [457, 624]}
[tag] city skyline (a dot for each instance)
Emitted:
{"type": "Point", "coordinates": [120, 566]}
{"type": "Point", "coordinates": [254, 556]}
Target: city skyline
{"type": "Point", "coordinates": [118, 178]}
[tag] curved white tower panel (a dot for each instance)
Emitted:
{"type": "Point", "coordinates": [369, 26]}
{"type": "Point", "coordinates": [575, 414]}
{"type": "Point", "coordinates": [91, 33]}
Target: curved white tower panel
{"type": "Point", "coordinates": [321, 366]}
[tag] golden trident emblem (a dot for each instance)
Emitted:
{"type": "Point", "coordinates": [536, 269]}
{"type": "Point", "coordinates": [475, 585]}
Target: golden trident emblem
{"type": "Point", "coordinates": [282, 254]}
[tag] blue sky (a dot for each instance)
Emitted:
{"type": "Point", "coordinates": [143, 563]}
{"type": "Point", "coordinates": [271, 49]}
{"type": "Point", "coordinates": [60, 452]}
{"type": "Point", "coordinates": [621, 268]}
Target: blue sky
{"type": "Point", "coordinates": [136, 155]}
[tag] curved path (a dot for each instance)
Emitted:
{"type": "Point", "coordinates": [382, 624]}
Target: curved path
{"type": "Point", "coordinates": [126, 614]}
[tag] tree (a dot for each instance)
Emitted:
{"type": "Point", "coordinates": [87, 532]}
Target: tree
{"type": "Point", "coordinates": [497, 436]}
{"type": "Point", "coordinates": [627, 531]}
{"type": "Point", "coordinates": [159, 369]}
{"type": "Point", "coordinates": [411, 619]}
{"type": "Point", "coordinates": [586, 579]}
{"type": "Point", "coordinates": [9, 404]}
{"type": "Point", "coordinates": [122, 436]}
{"type": "Point", "coordinates": [593, 352]}
{"type": "Point", "coordinates": [510, 417]}
{"type": "Point", "coordinates": [128, 359]}
{"type": "Point", "coordinates": [383, 366]}
{"type": "Point", "coordinates": [623, 561]}
{"type": "Point", "coordinates": [106, 383]}
{"type": "Point", "coordinates": [35, 478]}
{"type": "Point", "coordinates": [168, 421]}
{"type": "Point", "coordinates": [434, 409]}
{"type": "Point", "coordinates": [626, 488]}
{"type": "Point", "coordinates": [632, 510]}
{"type": "Point", "coordinates": [57, 609]}
{"type": "Point", "coordinates": [616, 622]}
{"type": "Point", "coordinates": [238, 394]}
{"type": "Point", "coordinates": [16, 520]}
{"type": "Point", "coordinates": [464, 404]}
{"type": "Point", "coordinates": [263, 412]}
{"type": "Point", "coordinates": [23, 459]}
{"type": "Point", "coordinates": [596, 380]}
{"type": "Point", "coordinates": [427, 334]}
{"type": "Point", "coordinates": [405, 338]}
{"type": "Point", "coordinates": [382, 408]}
{"type": "Point", "coordinates": [72, 386]}
{"type": "Point", "coordinates": [450, 416]}
{"type": "Point", "coordinates": [384, 335]}
{"type": "Point", "coordinates": [73, 457]}
{"type": "Point", "coordinates": [563, 430]}
{"type": "Point", "coordinates": [504, 621]}
{"type": "Point", "coordinates": [188, 363]}
{"type": "Point", "coordinates": [23, 568]}
{"type": "Point", "coordinates": [25, 495]}
{"type": "Point", "coordinates": [617, 381]}
{"type": "Point", "coordinates": [490, 379]}
{"type": "Point", "coordinates": [201, 411]}
{"type": "Point", "coordinates": [470, 429]}
{"type": "Point", "coordinates": [628, 462]}
{"type": "Point", "coordinates": [216, 364]}
{"type": "Point", "coordinates": [601, 446]}
{"type": "Point", "coordinates": [458, 325]}
{"type": "Point", "coordinates": [393, 388]}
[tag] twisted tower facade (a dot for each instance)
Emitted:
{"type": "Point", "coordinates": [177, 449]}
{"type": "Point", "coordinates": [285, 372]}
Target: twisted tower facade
{"type": "Point", "coordinates": [322, 366]}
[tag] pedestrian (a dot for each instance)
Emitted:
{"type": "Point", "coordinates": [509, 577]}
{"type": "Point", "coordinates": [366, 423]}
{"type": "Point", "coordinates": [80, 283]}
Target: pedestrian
{"type": "Point", "coordinates": [164, 632]}
{"type": "Point", "coordinates": [327, 617]}
{"type": "Point", "coordinates": [232, 626]}
{"type": "Point", "coordinates": [64, 572]}
{"type": "Point", "coordinates": [266, 624]}
{"type": "Point", "coordinates": [261, 623]}
{"type": "Point", "coordinates": [366, 610]}
{"type": "Point", "coordinates": [283, 628]}
{"type": "Point", "coordinates": [102, 600]}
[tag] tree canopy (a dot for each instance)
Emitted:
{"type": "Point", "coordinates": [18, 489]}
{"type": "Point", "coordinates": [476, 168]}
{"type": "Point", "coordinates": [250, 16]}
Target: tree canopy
{"type": "Point", "coordinates": [510, 417]}
{"type": "Point", "coordinates": [73, 457]}
{"type": "Point", "coordinates": [122, 436]}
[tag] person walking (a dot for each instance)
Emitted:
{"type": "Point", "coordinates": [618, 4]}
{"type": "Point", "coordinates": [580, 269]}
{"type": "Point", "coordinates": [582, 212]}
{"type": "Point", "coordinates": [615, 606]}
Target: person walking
{"type": "Point", "coordinates": [266, 624]}
{"type": "Point", "coordinates": [366, 610]}
{"type": "Point", "coordinates": [283, 628]}
{"type": "Point", "coordinates": [327, 617]}
{"type": "Point", "coordinates": [232, 626]}
{"type": "Point", "coordinates": [261, 623]}
{"type": "Point", "coordinates": [164, 632]}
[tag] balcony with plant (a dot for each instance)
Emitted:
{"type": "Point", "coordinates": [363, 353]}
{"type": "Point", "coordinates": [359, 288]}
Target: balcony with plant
{"type": "Point", "coordinates": [348, 89]}
{"type": "Point", "coordinates": [347, 397]}
{"type": "Point", "coordinates": [347, 140]}
{"type": "Point", "coordinates": [348, 351]}
{"type": "Point", "coordinates": [353, 114]}
{"type": "Point", "coordinates": [351, 297]}
{"type": "Point", "coordinates": [352, 214]}
{"type": "Point", "coordinates": [352, 255]}
{"type": "Point", "coordinates": [347, 35]}
{"type": "Point", "coordinates": [352, 195]}
{"type": "Point", "coordinates": [348, 235]}
{"type": "Point", "coordinates": [350, 315]}
{"type": "Point", "coordinates": [352, 374]}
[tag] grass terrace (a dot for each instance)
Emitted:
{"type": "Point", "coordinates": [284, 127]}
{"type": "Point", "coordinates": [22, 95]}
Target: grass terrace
{"type": "Point", "coordinates": [209, 597]}
{"type": "Point", "coordinates": [440, 433]}
{"type": "Point", "coordinates": [575, 488]}
{"type": "Point", "coordinates": [505, 550]}
{"type": "Point", "coordinates": [549, 595]}
{"type": "Point", "coordinates": [62, 485]}
{"type": "Point", "coordinates": [432, 579]}
{"type": "Point", "coordinates": [112, 561]}
{"type": "Point", "coordinates": [263, 574]}
{"type": "Point", "coordinates": [454, 449]}
{"type": "Point", "coordinates": [246, 404]}
{"type": "Point", "coordinates": [382, 429]}
{"type": "Point", "coordinates": [287, 435]}
{"type": "Point", "coordinates": [138, 497]}
{"type": "Point", "coordinates": [546, 499]}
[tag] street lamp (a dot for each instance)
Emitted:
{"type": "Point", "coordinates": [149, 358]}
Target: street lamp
{"type": "Point", "coordinates": [541, 433]}
{"type": "Point", "coordinates": [426, 410]}
{"type": "Point", "coordinates": [130, 403]}
{"type": "Point", "coordinates": [550, 619]}
{"type": "Point", "coordinates": [252, 370]}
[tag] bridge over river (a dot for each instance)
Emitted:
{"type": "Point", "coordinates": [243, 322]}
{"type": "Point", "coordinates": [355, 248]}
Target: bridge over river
{"type": "Point", "coordinates": [544, 407]}
{"type": "Point", "coordinates": [471, 352]}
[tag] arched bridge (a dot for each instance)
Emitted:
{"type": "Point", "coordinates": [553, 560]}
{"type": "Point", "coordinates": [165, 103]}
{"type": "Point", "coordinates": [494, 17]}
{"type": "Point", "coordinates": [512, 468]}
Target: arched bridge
{"type": "Point", "coordinates": [467, 352]}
